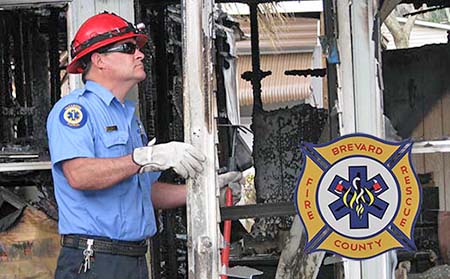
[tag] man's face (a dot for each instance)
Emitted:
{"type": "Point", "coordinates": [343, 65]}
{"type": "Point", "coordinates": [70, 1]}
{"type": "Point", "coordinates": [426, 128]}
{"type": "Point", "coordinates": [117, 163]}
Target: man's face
{"type": "Point", "coordinates": [123, 60]}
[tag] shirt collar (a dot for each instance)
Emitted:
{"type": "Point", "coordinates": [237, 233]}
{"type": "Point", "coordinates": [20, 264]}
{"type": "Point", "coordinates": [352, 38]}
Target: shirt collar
{"type": "Point", "coordinates": [99, 90]}
{"type": "Point", "coordinates": [105, 95]}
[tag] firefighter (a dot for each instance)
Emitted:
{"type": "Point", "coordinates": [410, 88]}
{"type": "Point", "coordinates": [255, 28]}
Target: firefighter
{"type": "Point", "coordinates": [105, 172]}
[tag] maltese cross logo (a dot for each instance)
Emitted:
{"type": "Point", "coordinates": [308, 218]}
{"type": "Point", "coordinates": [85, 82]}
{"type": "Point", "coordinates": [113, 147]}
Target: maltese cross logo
{"type": "Point", "coordinates": [358, 196]}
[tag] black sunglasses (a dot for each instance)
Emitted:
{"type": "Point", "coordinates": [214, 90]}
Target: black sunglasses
{"type": "Point", "coordinates": [128, 48]}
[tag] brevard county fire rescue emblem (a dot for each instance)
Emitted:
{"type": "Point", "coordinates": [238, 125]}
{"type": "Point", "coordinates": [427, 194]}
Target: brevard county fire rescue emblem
{"type": "Point", "coordinates": [358, 196]}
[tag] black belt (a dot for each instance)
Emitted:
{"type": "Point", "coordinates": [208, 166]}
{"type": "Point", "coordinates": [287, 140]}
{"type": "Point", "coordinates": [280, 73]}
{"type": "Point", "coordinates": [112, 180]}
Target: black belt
{"type": "Point", "coordinates": [105, 245]}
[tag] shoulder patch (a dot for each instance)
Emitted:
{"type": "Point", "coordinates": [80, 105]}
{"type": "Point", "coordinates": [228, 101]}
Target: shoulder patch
{"type": "Point", "coordinates": [73, 115]}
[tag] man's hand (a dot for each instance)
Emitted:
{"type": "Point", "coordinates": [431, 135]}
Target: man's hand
{"type": "Point", "coordinates": [182, 157]}
{"type": "Point", "coordinates": [230, 179]}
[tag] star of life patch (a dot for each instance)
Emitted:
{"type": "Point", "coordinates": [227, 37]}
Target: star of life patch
{"type": "Point", "coordinates": [73, 116]}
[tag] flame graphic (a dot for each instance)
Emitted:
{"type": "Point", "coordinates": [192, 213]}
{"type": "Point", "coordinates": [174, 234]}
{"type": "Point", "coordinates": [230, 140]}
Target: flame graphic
{"type": "Point", "coordinates": [358, 199]}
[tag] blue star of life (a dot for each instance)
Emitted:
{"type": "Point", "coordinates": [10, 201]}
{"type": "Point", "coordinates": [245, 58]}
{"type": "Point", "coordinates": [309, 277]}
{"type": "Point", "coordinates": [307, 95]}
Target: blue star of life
{"type": "Point", "coordinates": [74, 115]}
{"type": "Point", "coordinates": [358, 197]}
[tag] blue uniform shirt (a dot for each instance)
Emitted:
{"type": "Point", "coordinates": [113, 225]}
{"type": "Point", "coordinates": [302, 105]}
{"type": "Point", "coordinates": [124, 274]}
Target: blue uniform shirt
{"type": "Point", "coordinates": [91, 122]}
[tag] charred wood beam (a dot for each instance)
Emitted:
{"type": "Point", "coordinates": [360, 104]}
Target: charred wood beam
{"type": "Point", "coordinates": [256, 67]}
{"type": "Point", "coordinates": [23, 178]}
{"type": "Point", "coordinates": [162, 75]}
{"type": "Point", "coordinates": [270, 260]}
{"type": "Point", "coordinates": [255, 77]}
{"type": "Point", "coordinates": [11, 206]}
{"type": "Point", "coordinates": [19, 80]}
{"type": "Point", "coordinates": [249, 76]}
{"type": "Point", "coordinates": [224, 148]}
{"type": "Point", "coordinates": [257, 211]}
{"type": "Point", "coordinates": [6, 74]}
{"type": "Point", "coordinates": [155, 255]}
{"type": "Point", "coordinates": [4, 90]}
{"type": "Point", "coordinates": [40, 91]}
{"type": "Point", "coordinates": [331, 81]}
{"type": "Point", "coordinates": [163, 121]}
{"type": "Point", "coordinates": [30, 24]}
{"type": "Point", "coordinates": [147, 88]}
{"type": "Point", "coordinates": [171, 265]}
{"type": "Point", "coordinates": [17, 30]}
{"type": "Point", "coordinates": [151, 102]}
{"type": "Point", "coordinates": [307, 72]}
{"type": "Point", "coordinates": [55, 78]}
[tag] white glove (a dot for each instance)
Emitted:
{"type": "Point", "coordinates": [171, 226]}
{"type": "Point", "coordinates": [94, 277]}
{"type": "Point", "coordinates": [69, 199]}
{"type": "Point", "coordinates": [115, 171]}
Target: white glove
{"type": "Point", "coordinates": [182, 157]}
{"type": "Point", "coordinates": [230, 179]}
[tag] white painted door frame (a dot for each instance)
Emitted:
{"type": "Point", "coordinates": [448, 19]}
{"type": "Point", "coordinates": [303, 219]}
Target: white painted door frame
{"type": "Point", "coordinates": [360, 100]}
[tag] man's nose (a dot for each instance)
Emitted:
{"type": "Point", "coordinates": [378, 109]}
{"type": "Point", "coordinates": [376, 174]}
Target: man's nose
{"type": "Point", "coordinates": [139, 54]}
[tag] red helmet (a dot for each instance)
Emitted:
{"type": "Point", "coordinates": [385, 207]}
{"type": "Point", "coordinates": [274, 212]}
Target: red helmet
{"type": "Point", "coordinates": [98, 31]}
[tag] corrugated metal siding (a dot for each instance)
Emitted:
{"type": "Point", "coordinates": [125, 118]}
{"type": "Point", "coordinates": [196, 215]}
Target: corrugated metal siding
{"type": "Point", "coordinates": [294, 35]}
{"type": "Point", "coordinates": [277, 87]}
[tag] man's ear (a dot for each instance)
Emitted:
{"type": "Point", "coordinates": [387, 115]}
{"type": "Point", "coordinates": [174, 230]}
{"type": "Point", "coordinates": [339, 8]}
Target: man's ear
{"type": "Point", "coordinates": [97, 60]}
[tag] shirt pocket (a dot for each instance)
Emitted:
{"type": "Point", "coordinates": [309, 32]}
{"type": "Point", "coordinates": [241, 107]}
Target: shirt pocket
{"type": "Point", "coordinates": [113, 144]}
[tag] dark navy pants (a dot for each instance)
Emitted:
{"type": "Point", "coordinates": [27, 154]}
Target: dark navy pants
{"type": "Point", "coordinates": [103, 266]}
